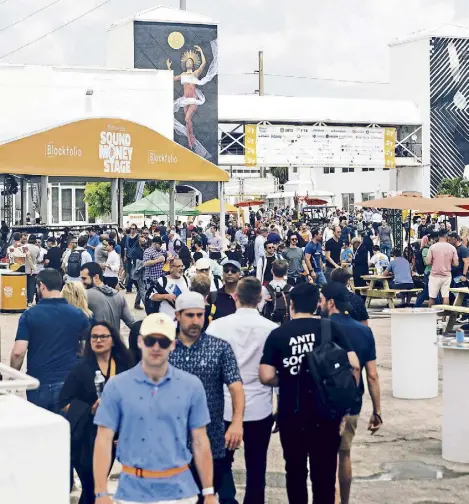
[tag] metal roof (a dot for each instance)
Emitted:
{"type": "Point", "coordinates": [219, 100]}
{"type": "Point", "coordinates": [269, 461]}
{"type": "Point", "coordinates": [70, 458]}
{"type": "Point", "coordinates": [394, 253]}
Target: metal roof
{"type": "Point", "coordinates": [239, 108]}
{"type": "Point", "coordinates": [164, 14]}
{"type": "Point", "coordinates": [443, 31]}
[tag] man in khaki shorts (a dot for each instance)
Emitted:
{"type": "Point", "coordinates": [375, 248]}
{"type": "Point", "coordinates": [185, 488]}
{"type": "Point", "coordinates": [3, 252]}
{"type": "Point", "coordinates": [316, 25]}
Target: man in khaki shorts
{"type": "Point", "coordinates": [441, 256]}
{"type": "Point", "coordinates": [335, 305]}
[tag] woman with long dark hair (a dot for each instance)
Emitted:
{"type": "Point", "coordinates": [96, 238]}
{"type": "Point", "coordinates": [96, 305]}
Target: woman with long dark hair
{"type": "Point", "coordinates": [105, 356]}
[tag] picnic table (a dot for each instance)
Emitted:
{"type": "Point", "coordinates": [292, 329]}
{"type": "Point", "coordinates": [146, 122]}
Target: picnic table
{"type": "Point", "coordinates": [379, 288]}
{"type": "Point", "coordinates": [456, 308]}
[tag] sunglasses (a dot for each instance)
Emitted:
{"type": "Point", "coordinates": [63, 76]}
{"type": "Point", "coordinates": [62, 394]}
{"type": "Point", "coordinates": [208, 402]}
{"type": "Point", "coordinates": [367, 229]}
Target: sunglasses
{"type": "Point", "coordinates": [294, 239]}
{"type": "Point", "coordinates": [230, 270]}
{"type": "Point", "coordinates": [163, 343]}
{"type": "Point", "coordinates": [101, 337]}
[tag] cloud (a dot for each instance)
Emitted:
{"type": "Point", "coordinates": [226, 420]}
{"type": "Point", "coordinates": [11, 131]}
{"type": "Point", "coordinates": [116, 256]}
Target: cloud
{"type": "Point", "coordinates": [338, 39]}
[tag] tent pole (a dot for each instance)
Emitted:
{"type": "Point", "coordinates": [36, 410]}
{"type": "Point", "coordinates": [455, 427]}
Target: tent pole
{"type": "Point", "coordinates": [114, 201]}
{"type": "Point", "coordinates": [172, 202]}
{"type": "Point", "coordinates": [120, 207]}
{"type": "Point", "coordinates": [44, 211]}
{"type": "Point", "coordinates": [221, 193]}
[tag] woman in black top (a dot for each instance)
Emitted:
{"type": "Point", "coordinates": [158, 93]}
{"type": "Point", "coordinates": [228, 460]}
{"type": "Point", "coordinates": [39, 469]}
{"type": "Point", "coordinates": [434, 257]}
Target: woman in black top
{"type": "Point", "coordinates": [359, 261]}
{"type": "Point", "coordinates": [104, 352]}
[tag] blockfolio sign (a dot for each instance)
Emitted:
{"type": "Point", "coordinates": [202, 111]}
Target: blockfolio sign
{"type": "Point", "coordinates": [105, 148]}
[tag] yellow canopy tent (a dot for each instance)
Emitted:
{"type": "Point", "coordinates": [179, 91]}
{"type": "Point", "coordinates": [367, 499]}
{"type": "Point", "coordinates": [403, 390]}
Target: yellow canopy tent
{"type": "Point", "coordinates": [213, 207]}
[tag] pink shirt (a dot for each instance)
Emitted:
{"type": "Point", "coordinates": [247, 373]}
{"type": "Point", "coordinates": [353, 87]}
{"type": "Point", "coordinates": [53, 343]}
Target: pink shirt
{"type": "Point", "coordinates": [441, 256]}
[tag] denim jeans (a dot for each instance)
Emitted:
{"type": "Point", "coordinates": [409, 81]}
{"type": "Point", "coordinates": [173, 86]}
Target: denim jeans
{"type": "Point", "coordinates": [47, 397]}
{"type": "Point", "coordinates": [130, 281]}
{"type": "Point", "coordinates": [385, 248]}
{"type": "Point", "coordinates": [31, 287]}
{"type": "Point", "coordinates": [320, 278]}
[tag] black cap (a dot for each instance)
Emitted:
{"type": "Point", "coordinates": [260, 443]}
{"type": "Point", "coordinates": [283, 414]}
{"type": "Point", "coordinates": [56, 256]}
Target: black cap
{"type": "Point", "coordinates": [157, 239]}
{"type": "Point", "coordinates": [339, 294]}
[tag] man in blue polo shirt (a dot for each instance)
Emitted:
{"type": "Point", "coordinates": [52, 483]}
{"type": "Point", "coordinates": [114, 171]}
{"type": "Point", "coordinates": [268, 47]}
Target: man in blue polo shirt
{"type": "Point", "coordinates": [50, 333]}
{"type": "Point", "coordinates": [334, 304]}
{"type": "Point", "coordinates": [313, 258]}
{"type": "Point", "coordinates": [153, 407]}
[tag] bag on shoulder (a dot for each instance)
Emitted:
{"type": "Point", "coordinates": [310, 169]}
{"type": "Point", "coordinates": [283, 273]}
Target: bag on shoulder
{"type": "Point", "coordinates": [278, 309]}
{"type": "Point", "coordinates": [156, 288]}
{"type": "Point", "coordinates": [74, 264]}
{"type": "Point", "coordinates": [327, 388]}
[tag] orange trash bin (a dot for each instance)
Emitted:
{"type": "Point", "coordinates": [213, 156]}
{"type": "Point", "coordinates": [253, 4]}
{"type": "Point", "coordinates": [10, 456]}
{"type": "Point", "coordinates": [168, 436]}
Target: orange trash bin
{"type": "Point", "coordinates": [12, 292]}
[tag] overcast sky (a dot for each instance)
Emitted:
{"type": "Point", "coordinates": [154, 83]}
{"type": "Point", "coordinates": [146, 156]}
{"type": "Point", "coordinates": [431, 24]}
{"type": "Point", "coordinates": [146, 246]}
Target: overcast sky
{"type": "Point", "coordinates": [333, 39]}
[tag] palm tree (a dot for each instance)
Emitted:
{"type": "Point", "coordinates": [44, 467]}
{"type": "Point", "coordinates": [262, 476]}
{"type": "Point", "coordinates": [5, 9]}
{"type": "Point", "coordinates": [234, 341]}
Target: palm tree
{"type": "Point", "coordinates": [457, 187]}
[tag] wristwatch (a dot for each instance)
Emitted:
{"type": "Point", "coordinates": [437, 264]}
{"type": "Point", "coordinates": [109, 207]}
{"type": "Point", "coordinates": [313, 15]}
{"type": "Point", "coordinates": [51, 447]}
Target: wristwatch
{"type": "Point", "coordinates": [102, 494]}
{"type": "Point", "coordinates": [208, 491]}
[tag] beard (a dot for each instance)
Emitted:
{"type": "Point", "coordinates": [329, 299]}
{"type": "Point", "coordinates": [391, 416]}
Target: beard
{"type": "Point", "coordinates": [324, 313]}
{"type": "Point", "coordinates": [90, 285]}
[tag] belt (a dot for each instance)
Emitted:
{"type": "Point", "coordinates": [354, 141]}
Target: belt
{"type": "Point", "coordinates": [144, 473]}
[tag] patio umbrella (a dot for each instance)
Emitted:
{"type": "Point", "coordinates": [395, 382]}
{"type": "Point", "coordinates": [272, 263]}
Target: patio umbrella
{"type": "Point", "coordinates": [242, 204]}
{"type": "Point", "coordinates": [446, 205]}
{"type": "Point", "coordinates": [213, 207]}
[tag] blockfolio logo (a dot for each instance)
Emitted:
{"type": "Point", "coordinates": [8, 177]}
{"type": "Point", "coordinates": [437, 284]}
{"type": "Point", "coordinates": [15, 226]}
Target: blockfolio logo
{"type": "Point", "coordinates": [53, 150]}
{"type": "Point", "coordinates": [116, 151]}
{"type": "Point", "coordinates": [155, 158]}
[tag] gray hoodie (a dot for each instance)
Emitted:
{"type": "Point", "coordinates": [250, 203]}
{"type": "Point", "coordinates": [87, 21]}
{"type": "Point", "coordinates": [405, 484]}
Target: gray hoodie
{"type": "Point", "coordinates": [108, 306]}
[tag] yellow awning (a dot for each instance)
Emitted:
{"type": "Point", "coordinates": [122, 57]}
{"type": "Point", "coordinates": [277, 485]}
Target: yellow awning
{"type": "Point", "coordinates": [213, 207]}
{"type": "Point", "coordinates": [105, 148]}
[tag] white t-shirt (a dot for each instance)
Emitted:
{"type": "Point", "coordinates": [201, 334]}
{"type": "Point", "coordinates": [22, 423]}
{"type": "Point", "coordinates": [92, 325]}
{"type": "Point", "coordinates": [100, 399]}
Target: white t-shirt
{"type": "Point", "coordinates": [113, 265]}
{"type": "Point", "coordinates": [377, 217]}
{"type": "Point", "coordinates": [380, 258]}
{"type": "Point", "coordinates": [175, 287]}
{"type": "Point", "coordinates": [327, 235]}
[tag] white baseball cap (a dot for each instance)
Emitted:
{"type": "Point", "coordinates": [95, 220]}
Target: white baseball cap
{"type": "Point", "coordinates": [158, 323]}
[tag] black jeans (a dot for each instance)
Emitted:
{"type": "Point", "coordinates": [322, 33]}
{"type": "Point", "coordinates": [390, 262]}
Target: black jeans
{"type": "Point", "coordinates": [221, 478]}
{"type": "Point", "coordinates": [320, 444]}
{"type": "Point", "coordinates": [256, 439]}
{"type": "Point", "coordinates": [31, 287]}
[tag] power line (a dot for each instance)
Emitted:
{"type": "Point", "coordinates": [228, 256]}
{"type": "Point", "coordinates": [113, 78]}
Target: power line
{"type": "Point", "coordinates": [29, 15]}
{"type": "Point", "coordinates": [56, 29]}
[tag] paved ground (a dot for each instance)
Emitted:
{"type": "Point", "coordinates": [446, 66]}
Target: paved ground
{"type": "Point", "coordinates": [401, 464]}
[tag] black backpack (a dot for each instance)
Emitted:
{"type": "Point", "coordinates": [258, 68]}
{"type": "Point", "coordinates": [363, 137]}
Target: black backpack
{"type": "Point", "coordinates": [74, 264]}
{"type": "Point", "coordinates": [327, 389]}
{"type": "Point", "coordinates": [278, 310]}
{"type": "Point", "coordinates": [419, 262]}
{"type": "Point", "coordinates": [155, 288]}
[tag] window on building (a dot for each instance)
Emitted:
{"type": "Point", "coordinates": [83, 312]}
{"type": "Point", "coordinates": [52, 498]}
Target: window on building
{"type": "Point", "coordinates": [295, 169]}
{"type": "Point", "coordinates": [368, 169]}
{"type": "Point", "coordinates": [367, 196]}
{"type": "Point", "coordinates": [232, 143]}
{"type": "Point", "coordinates": [55, 205]}
{"type": "Point", "coordinates": [80, 206]}
{"type": "Point", "coordinates": [348, 199]}
{"type": "Point", "coordinates": [348, 170]}
{"type": "Point", "coordinates": [67, 205]}
{"type": "Point", "coordinates": [328, 170]}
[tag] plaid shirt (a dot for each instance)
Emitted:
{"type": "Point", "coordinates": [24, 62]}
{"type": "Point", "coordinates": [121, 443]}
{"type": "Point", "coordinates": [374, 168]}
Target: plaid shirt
{"type": "Point", "coordinates": [156, 271]}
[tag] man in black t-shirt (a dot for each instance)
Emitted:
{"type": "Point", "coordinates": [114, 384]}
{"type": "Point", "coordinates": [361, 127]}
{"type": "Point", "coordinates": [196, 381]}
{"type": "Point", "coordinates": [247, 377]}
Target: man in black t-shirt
{"type": "Point", "coordinates": [357, 309]}
{"type": "Point", "coordinates": [333, 250]}
{"type": "Point", "coordinates": [280, 365]}
{"type": "Point", "coordinates": [53, 258]}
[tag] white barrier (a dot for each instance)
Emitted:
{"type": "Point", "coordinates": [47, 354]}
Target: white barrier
{"type": "Point", "coordinates": [34, 449]}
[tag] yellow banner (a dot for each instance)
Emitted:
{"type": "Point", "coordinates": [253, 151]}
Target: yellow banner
{"type": "Point", "coordinates": [105, 148]}
{"type": "Point", "coordinates": [390, 139]}
{"type": "Point", "coordinates": [250, 145]}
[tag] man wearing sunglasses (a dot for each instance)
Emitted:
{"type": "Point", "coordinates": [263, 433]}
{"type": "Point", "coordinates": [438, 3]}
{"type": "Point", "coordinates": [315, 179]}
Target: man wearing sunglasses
{"type": "Point", "coordinates": [226, 301]}
{"type": "Point", "coordinates": [153, 407]}
{"type": "Point", "coordinates": [297, 268]}
{"type": "Point", "coordinates": [214, 362]}
{"type": "Point", "coordinates": [264, 264]}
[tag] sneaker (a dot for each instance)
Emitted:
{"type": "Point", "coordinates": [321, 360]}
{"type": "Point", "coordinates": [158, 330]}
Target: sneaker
{"type": "Point", "coordinates": [462, 319]}
{"type": "Point", "coordinates": [138, 307]}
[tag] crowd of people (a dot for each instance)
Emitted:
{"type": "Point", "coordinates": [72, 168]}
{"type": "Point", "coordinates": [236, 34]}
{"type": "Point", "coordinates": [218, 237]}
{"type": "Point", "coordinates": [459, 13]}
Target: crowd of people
{"type": "Point", "coordinates": [223, 354]}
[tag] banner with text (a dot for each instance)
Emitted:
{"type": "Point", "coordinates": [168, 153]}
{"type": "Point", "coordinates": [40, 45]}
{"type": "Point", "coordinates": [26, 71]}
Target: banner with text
{"type": "Point", "coordinates": [329, 146]}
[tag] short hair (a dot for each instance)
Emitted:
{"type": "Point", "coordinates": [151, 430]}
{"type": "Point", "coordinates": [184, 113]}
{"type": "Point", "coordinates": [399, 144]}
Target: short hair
{"type": "Point", "coordinates": [16, 236]}
{"type": "Point", "coordinates": [376, 248]}
{"type": "Point", "coordinates": [249, 291]}
{"type": "Point", "coordinates": [396, 252]}
{"type": "Point", "coordinates": [201, 283]}
{"type": "Point", "coordinates": [112, 235]}
{"type": "Point", "coordinates": [340, 275]}
{"type": "Point", "coordinates": [267, 243]}
{"type": "Point", "coordinates": [82, 241]}
{"type": "Point", "coordinates": [315, 232]}
{"type": "Point", "coordinates": [112, 243]}
{"type": "Point", "coordinates": [197, 256]}
{"type": "Point", "coordinates": [442, 233]}
{"type": "Point", "coordinates": [93, 269]}
{"type": "Point", "coordinates": [263, 230]}
{"type": "Point", "coordinates": [454, 236]}
{"type": "Point", "coordinates": [24, 233]}
{"type": "Point", "coordinates": [305, 298]}
{"type": "Point", "coordinates": [279, 268]}
{"type": "Point", "coordinates": [51, 279]}
{"type": "Point", "coordinates": [51, 239]}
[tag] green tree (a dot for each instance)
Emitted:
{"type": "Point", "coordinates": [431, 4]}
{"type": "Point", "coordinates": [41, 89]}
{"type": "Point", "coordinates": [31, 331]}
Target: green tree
{"type": "Point", "coordinates": [98, 195]}
{"type": "Point", "coordinates": [457, 187]}
{"type": "Point", "coordinates": [280, 173]}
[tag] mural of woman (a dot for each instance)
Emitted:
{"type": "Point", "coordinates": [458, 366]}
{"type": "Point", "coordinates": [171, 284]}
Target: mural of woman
{"type": "Point", "coordinates": [189, 79]}
{"type": "Point", "coordinates": [193, 63]}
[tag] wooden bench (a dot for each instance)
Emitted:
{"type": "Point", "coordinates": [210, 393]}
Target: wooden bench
{"type": "Point", "coordinates": [388, 294]}
{"type": "Point", "coordinates": [453, 312]}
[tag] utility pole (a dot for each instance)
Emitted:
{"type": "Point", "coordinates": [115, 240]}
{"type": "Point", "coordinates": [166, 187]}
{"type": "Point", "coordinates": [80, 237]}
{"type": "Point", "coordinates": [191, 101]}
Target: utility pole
{"type": "Point", "coordinates": [182, 4]}
{"type": "Point", "coordinates": [261, 73]}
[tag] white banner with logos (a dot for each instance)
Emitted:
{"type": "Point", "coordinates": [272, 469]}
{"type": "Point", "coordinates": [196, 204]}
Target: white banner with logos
{"type": "Point", "coordinates": [328, 146]}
